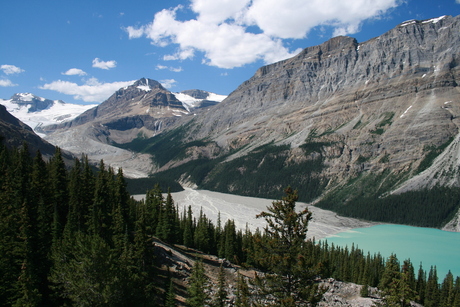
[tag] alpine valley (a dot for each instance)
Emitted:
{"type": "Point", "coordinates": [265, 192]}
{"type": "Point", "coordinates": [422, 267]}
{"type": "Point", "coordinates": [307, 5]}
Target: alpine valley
{"type": "Point", "coordinates": [366, 129]}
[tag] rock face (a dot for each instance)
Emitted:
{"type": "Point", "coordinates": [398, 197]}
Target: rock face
{"type": "Point", "coordinates": [15, 133]}
{"type": "Point", "coordinates": [377, 105]}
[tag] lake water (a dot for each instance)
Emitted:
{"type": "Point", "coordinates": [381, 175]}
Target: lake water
{"type": "Point", "coordinates": [427, 245]}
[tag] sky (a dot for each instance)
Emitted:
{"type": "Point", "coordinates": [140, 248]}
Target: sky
{"type": "Point", "coordinates": [82, 51]}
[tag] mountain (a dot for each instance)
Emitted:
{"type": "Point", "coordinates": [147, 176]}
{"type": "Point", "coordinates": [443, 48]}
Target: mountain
{"type": "Point", "coordinates": [14, 133]}
{"type": "Point", "coordinates": [37, 111]}
{"type": "Point", "coordinates": [342, 121]}
{"type": "Point", "coordinates": [141, 110]}
{"type": "Point", "coordinates": [355, 126]}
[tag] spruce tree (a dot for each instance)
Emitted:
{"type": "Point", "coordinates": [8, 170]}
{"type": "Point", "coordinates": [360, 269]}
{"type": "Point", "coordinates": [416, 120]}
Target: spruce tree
{"type": "Point", "coordinates": [432, 289]}
{"type": "Point", "coordinates": [221, 294]}
{"type": "Point", "coordinates": [230, 241]}
{"type": "Point", "coordinates": [198, 283]}
{"type": "Point", "coordinates": [100, 210]}
{"type": "Point", "coordinates": [188, 229]}
{"type": "Point", "coordinates": [289, 278]}
{"type": "Point", "coordinates": [170, 300]}
{"type": "Point", "coordinates": [153, 202]}
{"type": "Point", "coordinates": [42, 196]}
{"type": "Point", "coordinates": [447, 294]}
{"type": "Point", "coordinates": [421, 285]}
{"type": "Point", "coordinates": [242, 293]}
{"type": "Point", "coordinates": [60, 195]}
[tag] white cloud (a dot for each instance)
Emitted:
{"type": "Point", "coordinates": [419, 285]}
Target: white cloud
{"type": "Point", "coordinates": [74, 72]}
{"type": "Point", "coordinates": [168, 83]}
{"type": "Point", "coordinates": [457, 1]}
{"type": "Point", "coordinates": [91, 91]}
{"type": "Point", "coordinates": [221, 29]}
{"type": "Point", "coordinates": [6, 83]}
{"type": "Point", "coordinates": [104, 64]}
{"type": "Point", "coordinates": [160, 67]}
{"type": "Point", "coordinates": [11, 69]}
{"type": "Point", "coordinates": [173, 69]}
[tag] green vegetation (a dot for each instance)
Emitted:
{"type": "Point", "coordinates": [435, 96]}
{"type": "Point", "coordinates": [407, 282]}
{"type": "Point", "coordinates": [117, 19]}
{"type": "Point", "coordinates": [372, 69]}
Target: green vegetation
{"type": "Point", "coordinates": [75, 237]}
{"type": "Point", "coordinates": [166, 147]}
{"type": "Point", "coordinates": [262, 172]}
{"type": "Point", "coordinates": [439, 206]}
{"type": "Point", "coordinates": [386, 121]}
{"type": "Point", "coordinates": [433, 152]}
{"type": "Point", "coordinates": [142, 185]}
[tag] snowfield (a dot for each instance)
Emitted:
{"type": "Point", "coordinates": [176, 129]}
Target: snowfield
{"type": "Point", "coordinates": [57, 113]}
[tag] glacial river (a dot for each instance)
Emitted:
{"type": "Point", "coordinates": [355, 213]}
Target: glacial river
{"type": "Point", "coordinates": [421, 245]}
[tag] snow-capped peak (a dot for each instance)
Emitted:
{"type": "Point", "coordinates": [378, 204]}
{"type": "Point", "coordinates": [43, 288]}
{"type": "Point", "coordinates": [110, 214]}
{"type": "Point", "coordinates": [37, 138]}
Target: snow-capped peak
{"type": "Point", "coordinates": [36, 111]}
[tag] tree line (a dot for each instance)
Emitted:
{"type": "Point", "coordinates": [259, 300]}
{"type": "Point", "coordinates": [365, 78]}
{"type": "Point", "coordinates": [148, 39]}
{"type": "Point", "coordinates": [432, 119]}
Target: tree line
{"type": "Point", "coordinates": [73, 236]}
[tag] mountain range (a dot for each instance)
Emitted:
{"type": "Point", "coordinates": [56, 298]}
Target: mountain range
{"type": "Point", "coordinates": [347, 123]}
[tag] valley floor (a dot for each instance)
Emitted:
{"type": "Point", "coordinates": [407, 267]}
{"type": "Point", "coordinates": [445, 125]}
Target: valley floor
{"type": "Point", "coordinates": [243, 211]}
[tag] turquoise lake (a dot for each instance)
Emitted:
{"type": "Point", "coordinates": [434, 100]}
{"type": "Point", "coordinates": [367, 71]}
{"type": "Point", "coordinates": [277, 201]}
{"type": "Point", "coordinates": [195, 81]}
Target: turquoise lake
{"type": "Point", "coordinates": [431, 247]}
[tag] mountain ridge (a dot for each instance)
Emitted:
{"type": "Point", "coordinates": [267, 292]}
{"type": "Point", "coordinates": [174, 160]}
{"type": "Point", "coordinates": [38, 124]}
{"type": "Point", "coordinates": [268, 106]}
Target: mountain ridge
{"type": "Point", "coordinates": [340, 120]}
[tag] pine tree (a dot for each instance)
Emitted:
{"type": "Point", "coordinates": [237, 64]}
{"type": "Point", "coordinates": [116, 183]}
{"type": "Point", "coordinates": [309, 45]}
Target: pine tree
{"type": "Point", "coordinates": [188, 228]}
{"type": "Point", "coordinates": [201, 236]}
{"type": "Point", "coordinates": [167, 228]}
{"type": "Point", "coordinates": [42, 196]}
{"type": "Point", "coordinates": [60, 199]}
{"type": "Point", "coordinates": [242, 293]}
{"type": "Point", "coordinates": [100, 210]}
{"type": "Point", "coordinates": [198, 283]}
{"type": "Point", "coordinates": [221, 294]}
{"type": "Point", "coordinates": [290, 280]}
{"type": "Point", "coordinates": [120, 213]}
{"type": "Point", "coordinates": [447, 291]}
{"type": "Point", "coordinates": [421, 285]}
{"type": "Point", "coordinates": [230, 241]}
{"type": "Point", "coordinates": [170, 300]}
{"type": "Point", "coordinates": [432, 289]}
{"type": "Point", "coordinates": [153, 202]}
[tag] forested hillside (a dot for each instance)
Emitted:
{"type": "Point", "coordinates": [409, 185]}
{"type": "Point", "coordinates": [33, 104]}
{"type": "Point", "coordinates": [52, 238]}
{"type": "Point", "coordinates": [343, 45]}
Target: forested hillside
{"type": "Point", "coordinates": [74, 237]}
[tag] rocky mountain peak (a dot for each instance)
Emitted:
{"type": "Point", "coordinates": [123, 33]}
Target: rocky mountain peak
{"type": "Point", "coordinates": [146, 84]}
{"type": "Point", "coordinates": [198, 94]}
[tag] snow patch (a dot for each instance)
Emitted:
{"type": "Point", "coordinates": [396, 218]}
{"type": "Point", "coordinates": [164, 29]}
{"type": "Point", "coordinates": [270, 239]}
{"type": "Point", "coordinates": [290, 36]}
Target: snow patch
{"type": "Point", "coordinates": [405, 112]}
{"type": "Point", "coordinates": [435, 20]}
{"type": "Point", "coordinates": [144, 88]}
{"type": "Point", "coordinates": [408, 22]}
{"type": "Point", "coordinates": [26, 96]}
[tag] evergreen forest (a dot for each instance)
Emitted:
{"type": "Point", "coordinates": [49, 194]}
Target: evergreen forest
{"type": "Point", "coordinates": [72, 236]}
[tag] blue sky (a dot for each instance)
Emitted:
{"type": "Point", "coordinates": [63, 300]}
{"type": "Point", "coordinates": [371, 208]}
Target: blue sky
{"type": "Point", "coordinates": [82, 51]}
